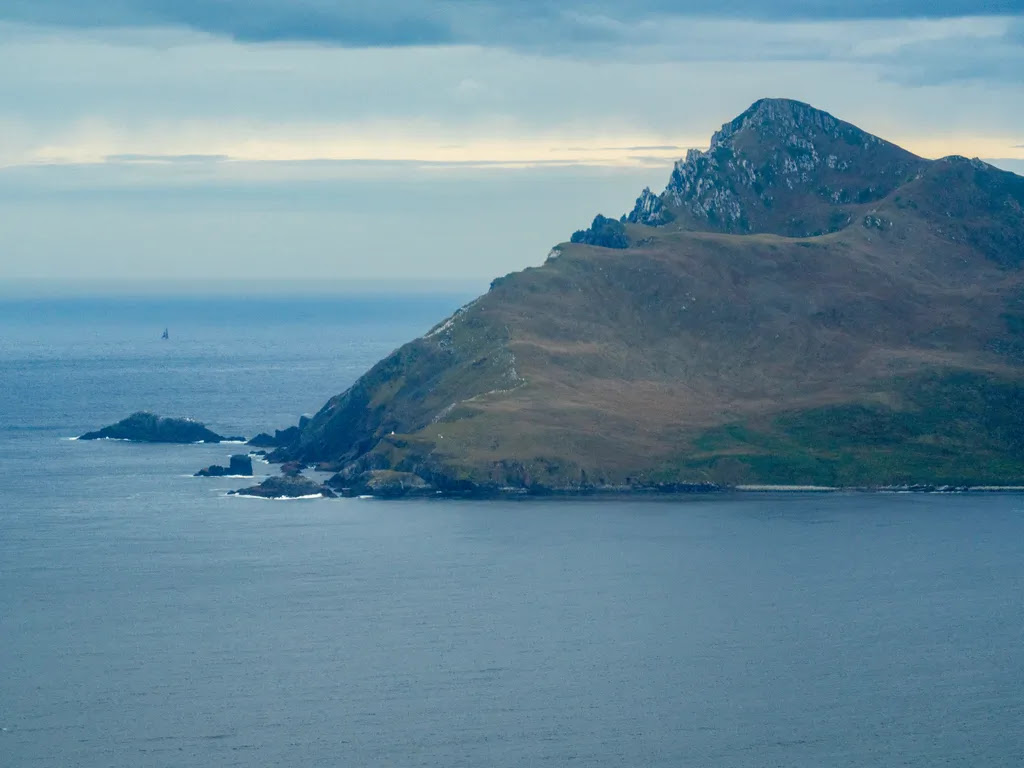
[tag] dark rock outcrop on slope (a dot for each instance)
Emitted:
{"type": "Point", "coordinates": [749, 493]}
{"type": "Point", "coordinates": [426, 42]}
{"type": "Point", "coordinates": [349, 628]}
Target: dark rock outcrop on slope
{"type": "Point", "coordinates": [143, 427]}
{"type": "Point", "coordinates": [805, 304]}
{"type": "Point", "coordinates": [280, 438]}
{"type": "Point", "coordinates": [263, 440]}
{"type": "Point", "coordinates": [385, 484]}
{"type": "Point", "coordinates": [285, 487]}
{"type": "Point", "coordinates": [240, 465]}
{"type": "Point", "coordinates": [603, 232]}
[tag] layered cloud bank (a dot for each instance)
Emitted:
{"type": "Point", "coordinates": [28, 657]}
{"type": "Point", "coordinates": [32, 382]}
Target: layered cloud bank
{"type": "Point", "coordinates": [190, 101]}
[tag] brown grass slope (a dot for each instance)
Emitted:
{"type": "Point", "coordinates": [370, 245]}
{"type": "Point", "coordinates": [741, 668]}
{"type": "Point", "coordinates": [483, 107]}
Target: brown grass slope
{"type": "Point", "coordinates": [889, 351]}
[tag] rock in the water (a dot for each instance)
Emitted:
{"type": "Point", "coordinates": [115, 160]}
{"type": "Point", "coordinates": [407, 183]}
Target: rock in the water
{"type": "Point", "coordinates": [240, 465]}
{"type": "Point", "coordinates": [284, 487]}
{"type": "Point", "coordinates": [145, 427]}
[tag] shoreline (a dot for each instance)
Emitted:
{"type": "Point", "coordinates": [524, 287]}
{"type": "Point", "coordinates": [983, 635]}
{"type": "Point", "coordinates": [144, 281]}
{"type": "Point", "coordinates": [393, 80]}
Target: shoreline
{"type": "Point", "coordinates": [517, 494]}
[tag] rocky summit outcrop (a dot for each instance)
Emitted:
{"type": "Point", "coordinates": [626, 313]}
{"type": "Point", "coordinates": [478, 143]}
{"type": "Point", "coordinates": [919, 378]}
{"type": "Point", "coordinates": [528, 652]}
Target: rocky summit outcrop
{"type": "Point", "coordinates": [143, 427]}
{"type": "Point", "coordinates": [286, 487]}
{"type": "Point", "coordinates": [804, 304]}
{"type": "Point", "coordinates": [240, 465]}
{"type": "Point", "coordinates": [781, 167]}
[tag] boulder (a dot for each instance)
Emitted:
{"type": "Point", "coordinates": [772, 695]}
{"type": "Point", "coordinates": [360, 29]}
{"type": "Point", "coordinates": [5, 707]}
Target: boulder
{"type": "Point", "coordinates": [143, 427]}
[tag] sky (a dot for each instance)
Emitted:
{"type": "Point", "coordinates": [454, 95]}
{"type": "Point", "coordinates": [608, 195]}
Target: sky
{"type": "Point", "coordinates": [454, 141]}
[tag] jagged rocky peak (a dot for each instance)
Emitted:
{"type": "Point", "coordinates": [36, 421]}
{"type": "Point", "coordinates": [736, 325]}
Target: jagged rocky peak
{"type": "Point", "coordinates": [792, 122]}
{"type": "Point", "coordinates": [782, 166]}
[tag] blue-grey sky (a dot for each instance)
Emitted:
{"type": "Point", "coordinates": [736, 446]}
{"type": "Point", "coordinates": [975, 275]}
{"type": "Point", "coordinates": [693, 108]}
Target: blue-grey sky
{"type": "Point", "coordinates": [246, 139]}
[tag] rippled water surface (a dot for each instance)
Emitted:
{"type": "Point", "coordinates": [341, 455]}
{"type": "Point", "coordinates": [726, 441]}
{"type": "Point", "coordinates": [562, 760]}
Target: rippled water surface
{"type": "Point", "coordinates": [148, 620]}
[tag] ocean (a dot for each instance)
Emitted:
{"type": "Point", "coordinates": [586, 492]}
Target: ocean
{"type": "Point", "coordinates": [149, 620]}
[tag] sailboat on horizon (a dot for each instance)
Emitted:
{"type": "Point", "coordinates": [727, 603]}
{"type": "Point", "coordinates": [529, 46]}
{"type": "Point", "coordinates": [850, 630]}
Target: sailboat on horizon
{"type": "Point", "coordinates": [165, 335]}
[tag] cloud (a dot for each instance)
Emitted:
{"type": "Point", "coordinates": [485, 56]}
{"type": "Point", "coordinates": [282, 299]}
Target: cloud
{"type": "Point", "coordinates": [145, 122]}
{"type": "Point", "coordinates": [1013, 164]}
{"type": "Point", "coordinates": [259, 221]}
{"type": "Point", "coordinates": [151, 99]}
{"type": "Point", "coordinates": [512, 23]}
{"type": "Point", "coordinates": [137, 158]}
{"type": "Point", "coordinates": [959, 57]}
{"type": "Point", "coordinates": [394, 23]}
{"type": "Point", "coordinates": [653, 148]}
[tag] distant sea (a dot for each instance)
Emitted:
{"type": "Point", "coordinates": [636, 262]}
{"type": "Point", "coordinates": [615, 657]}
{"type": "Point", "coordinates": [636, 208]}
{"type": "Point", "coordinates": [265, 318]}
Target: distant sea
{"type": "Point", "coordinates": [147, 619]}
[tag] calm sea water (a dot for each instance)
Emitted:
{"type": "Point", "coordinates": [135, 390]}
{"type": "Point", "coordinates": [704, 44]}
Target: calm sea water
{"type": "Point", "coordinates": [148, 620]}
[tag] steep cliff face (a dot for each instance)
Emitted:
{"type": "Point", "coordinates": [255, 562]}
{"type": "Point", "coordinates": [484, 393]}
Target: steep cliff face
{"type": "Point", "coordinates": [422, 383]}
{"type": "Point", "coordinates": [886, 348]}
{"type": "Point", "coordinates": [782, 167]}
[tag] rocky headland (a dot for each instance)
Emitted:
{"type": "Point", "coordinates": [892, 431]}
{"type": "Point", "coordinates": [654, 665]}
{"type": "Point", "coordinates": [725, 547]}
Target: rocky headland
{"type": "Point", "coordinates": [805, 304]}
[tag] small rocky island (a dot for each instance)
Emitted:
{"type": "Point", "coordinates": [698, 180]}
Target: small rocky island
{"type": "Point", "coordinates": [144, 427]}
{"type": "Point", "coordinates": [286, 487]}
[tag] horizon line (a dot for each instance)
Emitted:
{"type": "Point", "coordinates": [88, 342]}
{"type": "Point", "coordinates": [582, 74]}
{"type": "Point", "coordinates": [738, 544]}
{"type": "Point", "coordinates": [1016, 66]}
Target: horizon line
{"type": "Point", "coordinates": [45, 288]}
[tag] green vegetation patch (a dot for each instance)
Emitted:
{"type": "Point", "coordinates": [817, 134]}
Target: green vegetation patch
{"type": "Point", "coordinates": [950, 429]}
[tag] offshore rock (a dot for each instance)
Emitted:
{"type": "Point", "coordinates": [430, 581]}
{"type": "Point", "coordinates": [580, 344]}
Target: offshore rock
{"type": "Point", "coordinates": [144, 427]}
